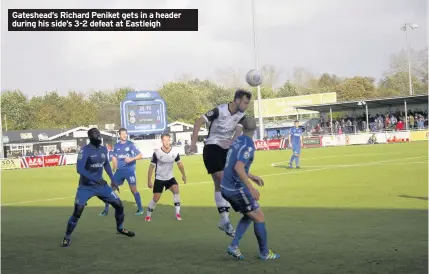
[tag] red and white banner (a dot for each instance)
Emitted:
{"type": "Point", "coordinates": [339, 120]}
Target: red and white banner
{"type": "Point", "coordinates": [32, 162]}
{"type": "Point", "coordinates": [43, 161]}
{"type": "Point", "coordinates": [54, 160]}
{"type": "Point", "coordinates": [271, 144]}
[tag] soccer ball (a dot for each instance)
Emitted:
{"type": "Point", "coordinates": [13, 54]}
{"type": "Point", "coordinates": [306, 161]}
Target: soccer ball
{"type": "Point", "coordinates": [254, 78]}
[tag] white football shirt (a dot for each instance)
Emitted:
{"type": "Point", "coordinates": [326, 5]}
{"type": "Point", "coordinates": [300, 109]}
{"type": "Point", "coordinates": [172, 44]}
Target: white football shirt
{"type": "Point", "coordinates": [222, 125]}
{"type": "Point", "coordinates": [163, 162]}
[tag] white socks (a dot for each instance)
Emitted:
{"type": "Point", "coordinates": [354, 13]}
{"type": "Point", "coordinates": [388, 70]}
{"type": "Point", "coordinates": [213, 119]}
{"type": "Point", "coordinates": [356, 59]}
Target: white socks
{"type": "Point", "coordinates": [152, 205]}
{"type": "Point", "coordinates": [176, 200]}
{"type": "Point", "coordinates": [150, 208]}
{"type": "Point", "coordinates": [222, 206]}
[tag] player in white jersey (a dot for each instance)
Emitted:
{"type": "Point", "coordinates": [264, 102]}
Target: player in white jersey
{"type": "Point", "coordinates": [162, 161]}
{"type": "Point", "coordinates": [225, 125]}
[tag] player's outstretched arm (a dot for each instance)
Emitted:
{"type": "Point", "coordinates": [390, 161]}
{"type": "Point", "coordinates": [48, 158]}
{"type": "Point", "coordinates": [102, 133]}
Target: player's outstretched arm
{"type": "Point", "coordinates": [205, 118]}
{"type": "Point", "coordinates": [197, 126]}
{"type": "Point", "coordinates": [82, 158]}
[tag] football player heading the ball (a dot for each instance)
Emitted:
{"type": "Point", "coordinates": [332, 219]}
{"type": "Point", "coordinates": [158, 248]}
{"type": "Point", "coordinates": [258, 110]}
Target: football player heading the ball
{"type": "Point", "coordinates": [225, 125]}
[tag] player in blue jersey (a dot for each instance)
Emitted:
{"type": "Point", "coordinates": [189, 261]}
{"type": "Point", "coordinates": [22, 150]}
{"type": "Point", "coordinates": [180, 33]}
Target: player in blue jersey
{"type": "Point", "coordinates": [90, 163]}
{"type": "Point", "coordinates": [295, 142]}
{"type": "Point", "coordinates": [237, 189]}
{"type": "Point", "coordinates": [124, 159]}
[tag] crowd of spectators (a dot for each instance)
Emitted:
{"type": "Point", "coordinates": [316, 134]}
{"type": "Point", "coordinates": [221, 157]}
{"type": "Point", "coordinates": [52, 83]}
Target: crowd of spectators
{"type": "Point", "coordinates": [388, 121]}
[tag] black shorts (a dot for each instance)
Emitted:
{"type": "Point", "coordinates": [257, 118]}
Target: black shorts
{"type": "Point", "coordinates": [159, 185]}
{"type": "Point", "coordinates": [214, 158]}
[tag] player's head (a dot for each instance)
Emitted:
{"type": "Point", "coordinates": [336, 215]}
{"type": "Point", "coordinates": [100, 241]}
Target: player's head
{"type": "Point", "coordinates": [94, 137]}
{"type": "Point", "coordinates": [123, 134]}
{"type": "Point", "coordinates": [249, 126]}
{"type": "Point", "coordinates": [165, 138]}
{"type": "Point", "coordinates": [242, 99]}
{"type": "Point", "coordinates": [296, 123]}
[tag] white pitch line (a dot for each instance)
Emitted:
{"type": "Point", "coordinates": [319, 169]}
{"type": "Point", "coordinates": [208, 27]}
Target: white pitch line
{"type": "Point", "coordinates": [340, 156]}
{"type": "Point", "coordinates": [266, 175]}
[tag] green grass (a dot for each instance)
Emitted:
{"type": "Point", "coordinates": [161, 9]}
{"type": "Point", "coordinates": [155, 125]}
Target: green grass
{"type": "Point", "coordinates": [360, 209]}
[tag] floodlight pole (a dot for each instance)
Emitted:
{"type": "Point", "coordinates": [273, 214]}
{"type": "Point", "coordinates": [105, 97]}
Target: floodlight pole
{"type": "Point", "coordinates": [406, 115]}
{"type": "Point", "coordinates": [405, 28]}
{"type": "Point", "coordinates": [367, 117]}
{"type": "Point", "coordinates": [255, 50]}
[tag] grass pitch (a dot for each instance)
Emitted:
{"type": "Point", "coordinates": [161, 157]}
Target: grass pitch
{"type": "Point", "coordinates": [360, 209]}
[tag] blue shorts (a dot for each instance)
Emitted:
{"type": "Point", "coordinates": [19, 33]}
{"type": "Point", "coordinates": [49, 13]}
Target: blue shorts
{"type": "Point", "coordinates": [121, 175]}
{"type": "Point", "coordinates": [104, 193]}
{"type": "Point", "coordinates": [241, 200]}
{"type": "Point", "coordinates": [296, 148]}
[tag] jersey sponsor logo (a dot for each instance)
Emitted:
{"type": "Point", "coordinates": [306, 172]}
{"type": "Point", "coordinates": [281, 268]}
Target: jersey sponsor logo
{"type": "Point", "coordinates": [97, 165]}
{"type": "Point", "coordinates": [123, 156]}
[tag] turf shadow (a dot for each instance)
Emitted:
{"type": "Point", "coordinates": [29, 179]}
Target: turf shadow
{"type": "Point", "coordinates": [310, 240]}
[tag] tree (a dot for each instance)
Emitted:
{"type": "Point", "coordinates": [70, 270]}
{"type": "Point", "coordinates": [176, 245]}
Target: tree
{"type": "Point", "coordinates": [288, 89]}
{"type": "Point", "coordinates": [48, 111]}
{"type": "Point", "coordinates": [398, 83]}
{"type": "Point", "coordinates": [15, 111]}
{"type": "Point", "coordinates": [356, 88]}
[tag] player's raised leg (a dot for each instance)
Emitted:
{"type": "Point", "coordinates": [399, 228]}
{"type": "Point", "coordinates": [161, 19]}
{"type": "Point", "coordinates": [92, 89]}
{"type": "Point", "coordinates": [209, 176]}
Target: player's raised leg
{"type": "Point", "coordinates": [133, 188]}
{"type": "Point", "coordinates": [83, 194]}
{"type": "Point", "coordinates": [108, 195]}
{"type": "Point", "coordinates": [223, 206]}
{"type": "Point", "coordinates": [174, 188]}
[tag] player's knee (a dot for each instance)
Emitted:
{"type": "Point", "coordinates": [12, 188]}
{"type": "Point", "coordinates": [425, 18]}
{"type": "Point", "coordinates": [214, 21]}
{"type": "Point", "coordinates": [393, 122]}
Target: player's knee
{"type": "Point", "coordinates": [133, 189]}
{"type": "Point", "coordinates": [156, 197]}
{"type": "Point", "coordinates": [257, 216]}
{"type": "Point", "coordinates": [78, 209]}
{"type": "Point", "coordinates": [117, 204]}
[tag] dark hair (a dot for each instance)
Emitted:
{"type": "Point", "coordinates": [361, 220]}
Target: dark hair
{"type": "Point", "coordinates": [296, 121]}
{"type": "Point", "coordinates": [122, 130]}
{"type": "Point", "coordinates": [165, 135]}
{"type": "Point", "coordinates": [240, 93]}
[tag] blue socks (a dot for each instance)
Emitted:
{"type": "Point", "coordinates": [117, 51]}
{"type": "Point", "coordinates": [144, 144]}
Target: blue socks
{"type": "Point", "coordinates": [71, 226]}
{"type": "Point", "coordinates": [138, 201]}
{"type": "Point", "coordinates": [292, 158]}
{"type": "Point", "coordinates": [242, 226]}
{"type": "Point", "coordinates": [119, 216]}
{"type": "Point", "coordinates": [106, 207]}
{"type": "Point", "coordinates": [297, 160]}
{"type": "Point", "coordinates": [261, 235]}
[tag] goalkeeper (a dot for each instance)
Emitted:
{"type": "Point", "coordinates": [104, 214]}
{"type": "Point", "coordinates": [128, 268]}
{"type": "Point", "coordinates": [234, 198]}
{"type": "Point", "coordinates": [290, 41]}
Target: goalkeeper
{"type": "Point", "coordinates": [90, 163]}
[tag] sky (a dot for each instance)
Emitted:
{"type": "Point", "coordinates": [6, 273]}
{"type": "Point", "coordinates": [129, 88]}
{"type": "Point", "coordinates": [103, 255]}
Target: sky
{"type": "Point", "coordinates": [342, 37]}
